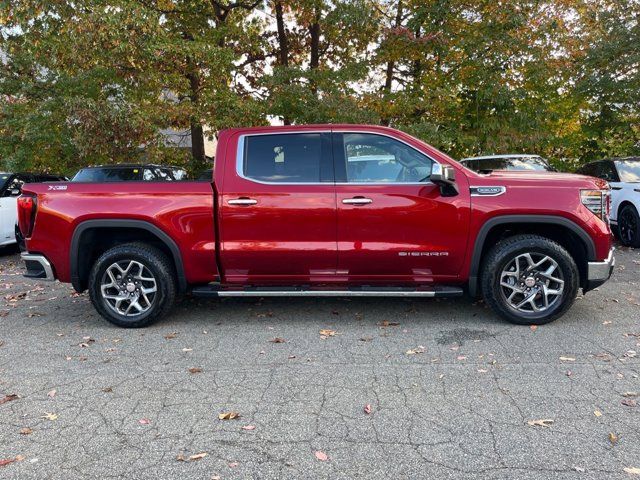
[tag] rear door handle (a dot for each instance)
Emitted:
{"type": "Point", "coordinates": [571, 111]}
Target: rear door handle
{"type": "Point", "coordinates": [243, 201]}
{"type": "Point", "coordinates": [357, 201]}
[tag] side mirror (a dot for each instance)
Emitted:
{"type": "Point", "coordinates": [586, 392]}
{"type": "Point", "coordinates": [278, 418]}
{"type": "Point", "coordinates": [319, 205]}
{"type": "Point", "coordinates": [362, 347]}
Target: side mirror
{"type": "Point", "coordinates": [15, 192]}
{"type": "Point", "coordinates": [445, 177]}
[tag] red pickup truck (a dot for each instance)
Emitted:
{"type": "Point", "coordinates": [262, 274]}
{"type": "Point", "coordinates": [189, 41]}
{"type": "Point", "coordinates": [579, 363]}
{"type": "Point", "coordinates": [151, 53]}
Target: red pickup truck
{"type": "Point", "coordinates": [324, 210]}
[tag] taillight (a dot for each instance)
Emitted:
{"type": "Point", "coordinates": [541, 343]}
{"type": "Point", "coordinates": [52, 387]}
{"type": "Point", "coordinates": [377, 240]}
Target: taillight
{"type": "Point", "coordinates": [598, 202]}
{"type": "Point", "coordinates": [27, 205]}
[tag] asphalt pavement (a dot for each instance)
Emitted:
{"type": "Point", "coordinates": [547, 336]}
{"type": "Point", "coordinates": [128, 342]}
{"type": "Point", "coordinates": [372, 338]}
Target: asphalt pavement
{"type": "Point", "coordinates": [380, 388]}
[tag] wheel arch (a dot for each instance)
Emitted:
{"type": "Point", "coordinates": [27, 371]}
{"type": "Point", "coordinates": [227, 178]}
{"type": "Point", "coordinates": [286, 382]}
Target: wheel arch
{"type": "Point", "coordinates": [567, 233]}
{"type": "Point", "coordinates": [93, 237]}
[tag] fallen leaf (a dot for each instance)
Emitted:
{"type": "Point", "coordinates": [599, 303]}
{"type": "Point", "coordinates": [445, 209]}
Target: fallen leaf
{"type": "Point", "coordinates": [228, 416]}
{"type": "Point", "coordinates": [144, 421]}
{"type": "Point", "coordinates": [630, 394]}
{"type": "Point", "coordinates": [8, 398]}
{"type": "Point", "coordinates": [533, 328]}
{"type": "Point", "coordinates": [198, 456]}
{"type": "Point", "coordinates": [195, 370]}
{"type": "Point", "coordinates": [632, 470]}
{"type": "Point", "coordinates": [180, 458]}
{"type": "Point", "coordinates": [50, 416]}
{"type": "Point", "coordinates": [387, 323]}
{"type": "Point", "coordinates": [628, 402]}
{"type": "Point", "coordinates": [233, 464]}
{"type": "Point", "coordinates": [26, 431]}
{"type": "Point", "coordinates": [597, 413]}
{"type": "Point", "coordinates": [607, 322]}
{"type": "Point", "coordinates": [171, 335]}
{"type": "Point", "coordinates": [461, 357]}
{"type": "Point", "coordinates": [414, 351]}
{"type": "Point", "coordinates": [367, 409]}
{"type": "Point", "coordinates": [366, 339]}
{"type": "Point", "coordinates": [613, 438]}
{"type": "Point", "coordinates": [567, 359]}
{"type": "Point", "coordinates": [321, 456]}
{"type": "Point", "coordinates": [8, 461]}
{"type": "Point", "coordinates": [482, 370]}
{"type": "Point", "coordinates": [249, 427]}
{"type": "Point", "coordinates": [540, 423]}
{"type": "Point", "coordinates": [52, 393]}
{"type": "Point", "coordinates": [277, 340]}
{"type": "Point", "coordinates": [107, 390]}
{"type": "Point", "coordinates": [630, 354]}
{"type": "Point", "coordinates": [187, 349]}
{"type": "Point", "coordinates": [325, 332]}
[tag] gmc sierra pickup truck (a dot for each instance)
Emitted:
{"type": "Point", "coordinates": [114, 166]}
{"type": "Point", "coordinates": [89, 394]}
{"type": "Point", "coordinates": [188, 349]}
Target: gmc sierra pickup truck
{"type": "Point", "coordinates": [324, 210]}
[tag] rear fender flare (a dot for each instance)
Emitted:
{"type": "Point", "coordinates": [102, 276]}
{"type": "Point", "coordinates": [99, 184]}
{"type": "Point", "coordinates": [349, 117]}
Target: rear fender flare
{"type": "Point", "coordinates": [74, 253]}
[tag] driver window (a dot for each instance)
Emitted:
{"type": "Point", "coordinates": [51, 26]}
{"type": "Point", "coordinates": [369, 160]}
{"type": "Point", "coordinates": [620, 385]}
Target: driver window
{"type": "Point", "coordinates": [374, 158]}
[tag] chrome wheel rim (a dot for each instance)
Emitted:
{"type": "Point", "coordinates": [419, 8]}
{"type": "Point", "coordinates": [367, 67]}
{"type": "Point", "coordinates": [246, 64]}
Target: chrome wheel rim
{"type": "Point", "coordinates": [531, 283]}
{"type": "Point", "coordinates": [128, 288]}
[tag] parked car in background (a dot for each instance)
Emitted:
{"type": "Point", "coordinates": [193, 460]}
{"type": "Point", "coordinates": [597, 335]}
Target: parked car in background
{"type": "Point", "coordinates": [130, 173]}
{"type": "Point", "coordinates": [10, 189]}
{"type": "Point", "coordinates": [324, 210]}
{"type": "Point", "coordinates": [623, 175]}
{"type": "Point", "coordinates": [490, 163]}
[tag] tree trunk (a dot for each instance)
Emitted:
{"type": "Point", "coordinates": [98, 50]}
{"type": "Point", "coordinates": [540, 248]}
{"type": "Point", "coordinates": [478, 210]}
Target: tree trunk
{"type": "Point", "coordinates": [391, 65]}
{"type": "Point", "coordinates": [314, 33]}
{"type": "Point", "coordinates": [197, 134]}
{"type": "Point", "coordinates": [283, 41]}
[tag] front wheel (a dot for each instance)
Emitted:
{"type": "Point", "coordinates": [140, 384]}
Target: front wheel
{"type": "Point", "coordinates": [132, 285]}
{"type": "Point", "coordinates": [629, 226]}
{"type": "Point", "coordinates": [529, 279]}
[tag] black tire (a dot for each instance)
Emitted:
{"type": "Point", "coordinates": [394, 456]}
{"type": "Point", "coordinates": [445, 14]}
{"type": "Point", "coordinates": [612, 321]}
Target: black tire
{"type": "Point", "coordinates": [500, 260]}
{"type": "Point", "coordinates": [20, 240]}
{"type": "Point", "coordinates": [629, 226]}
{"type": "Point", "coordinates": [164, 280]}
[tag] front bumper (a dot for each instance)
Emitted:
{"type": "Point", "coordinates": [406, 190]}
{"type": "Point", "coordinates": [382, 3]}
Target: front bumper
{"type": "Point", "coordinates": [38, 267]}
{"type": "Point", "coordinates": [599, 272]}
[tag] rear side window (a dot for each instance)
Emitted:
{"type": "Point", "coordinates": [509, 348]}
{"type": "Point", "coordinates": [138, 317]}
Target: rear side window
{"type": "Point", "coordinates": [284, 158]}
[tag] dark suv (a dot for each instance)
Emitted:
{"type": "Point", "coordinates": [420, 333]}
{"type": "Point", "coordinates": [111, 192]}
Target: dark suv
{"type": "Point", "coordinates": [130, 173]}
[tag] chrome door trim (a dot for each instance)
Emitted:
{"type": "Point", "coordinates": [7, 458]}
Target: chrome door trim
{"type": "Point", "coordinates": [240, 159]}
{"type": "Point", "coordinates": [357, 201]}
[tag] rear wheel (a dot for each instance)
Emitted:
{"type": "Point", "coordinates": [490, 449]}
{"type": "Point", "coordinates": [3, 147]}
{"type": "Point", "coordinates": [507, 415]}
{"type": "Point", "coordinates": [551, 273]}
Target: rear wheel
{"type": "Point", "coordinates": [529, 279]}
{"type": "Point", "coordinates": [629, 226]}
{"type": "Point", "coordinates": [132, 285]}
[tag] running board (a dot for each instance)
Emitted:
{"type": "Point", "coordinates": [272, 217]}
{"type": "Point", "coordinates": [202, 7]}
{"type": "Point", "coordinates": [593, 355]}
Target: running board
{"type": "Point", "coordinates": [438, 291]}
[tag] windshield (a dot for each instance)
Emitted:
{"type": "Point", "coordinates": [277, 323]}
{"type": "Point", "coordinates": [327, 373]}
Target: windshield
{"type": "Point", "coordinates": [4, 178]}
{"type": "Point", "coordinates": [508, 163]}
{"type": "Point", "coordinates": [629, 170]}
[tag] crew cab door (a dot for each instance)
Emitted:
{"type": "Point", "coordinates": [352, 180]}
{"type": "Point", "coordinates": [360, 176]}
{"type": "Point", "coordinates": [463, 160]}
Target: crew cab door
{"type": "Point", "coordinates": [278, 208]}
{"type": "Point", "coordinates": [394, 225]}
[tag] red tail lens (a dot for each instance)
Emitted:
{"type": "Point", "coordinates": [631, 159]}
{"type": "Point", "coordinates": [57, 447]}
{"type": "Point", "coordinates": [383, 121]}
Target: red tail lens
{"type": "Point", "coordinates": [27, 205]}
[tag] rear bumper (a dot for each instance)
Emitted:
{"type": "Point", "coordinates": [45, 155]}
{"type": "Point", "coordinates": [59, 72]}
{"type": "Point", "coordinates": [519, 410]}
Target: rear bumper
{"type": "Point", "coordinates": [600, 272]}
{"type": "Point", "coordinates": [38, 267]}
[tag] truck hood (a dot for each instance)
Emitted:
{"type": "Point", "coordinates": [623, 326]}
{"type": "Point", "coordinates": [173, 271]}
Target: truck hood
{"type": "Point", "coordinates": [548, 179]}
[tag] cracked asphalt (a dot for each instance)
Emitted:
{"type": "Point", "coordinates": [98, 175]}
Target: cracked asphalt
{"type": "Point", "coordinates": [95, 401]}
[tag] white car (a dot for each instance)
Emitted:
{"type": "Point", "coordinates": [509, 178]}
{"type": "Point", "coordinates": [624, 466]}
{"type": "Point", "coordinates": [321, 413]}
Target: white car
{"type": "Point", "coordinates": [623, 175]}
{"type": "Point", "coordinates": [10, 189]}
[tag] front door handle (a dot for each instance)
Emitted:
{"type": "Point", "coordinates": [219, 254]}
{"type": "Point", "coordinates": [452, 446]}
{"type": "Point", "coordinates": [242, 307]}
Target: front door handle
{"type": "Point", "coordinates": [357, 201]}
{"type": "Point", "coordinates": [243, 201]}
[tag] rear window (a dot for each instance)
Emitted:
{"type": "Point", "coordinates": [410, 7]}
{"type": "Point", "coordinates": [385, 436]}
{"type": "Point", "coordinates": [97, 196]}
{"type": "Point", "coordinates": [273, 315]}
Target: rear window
{"type": "Point", "coordinates": [107, 175]}
{"type": "Point", "coordinates": [285, 158]}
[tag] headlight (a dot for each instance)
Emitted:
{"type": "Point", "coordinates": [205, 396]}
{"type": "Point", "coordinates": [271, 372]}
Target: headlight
{"type": "Point", "coordinates": [598, 201]}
